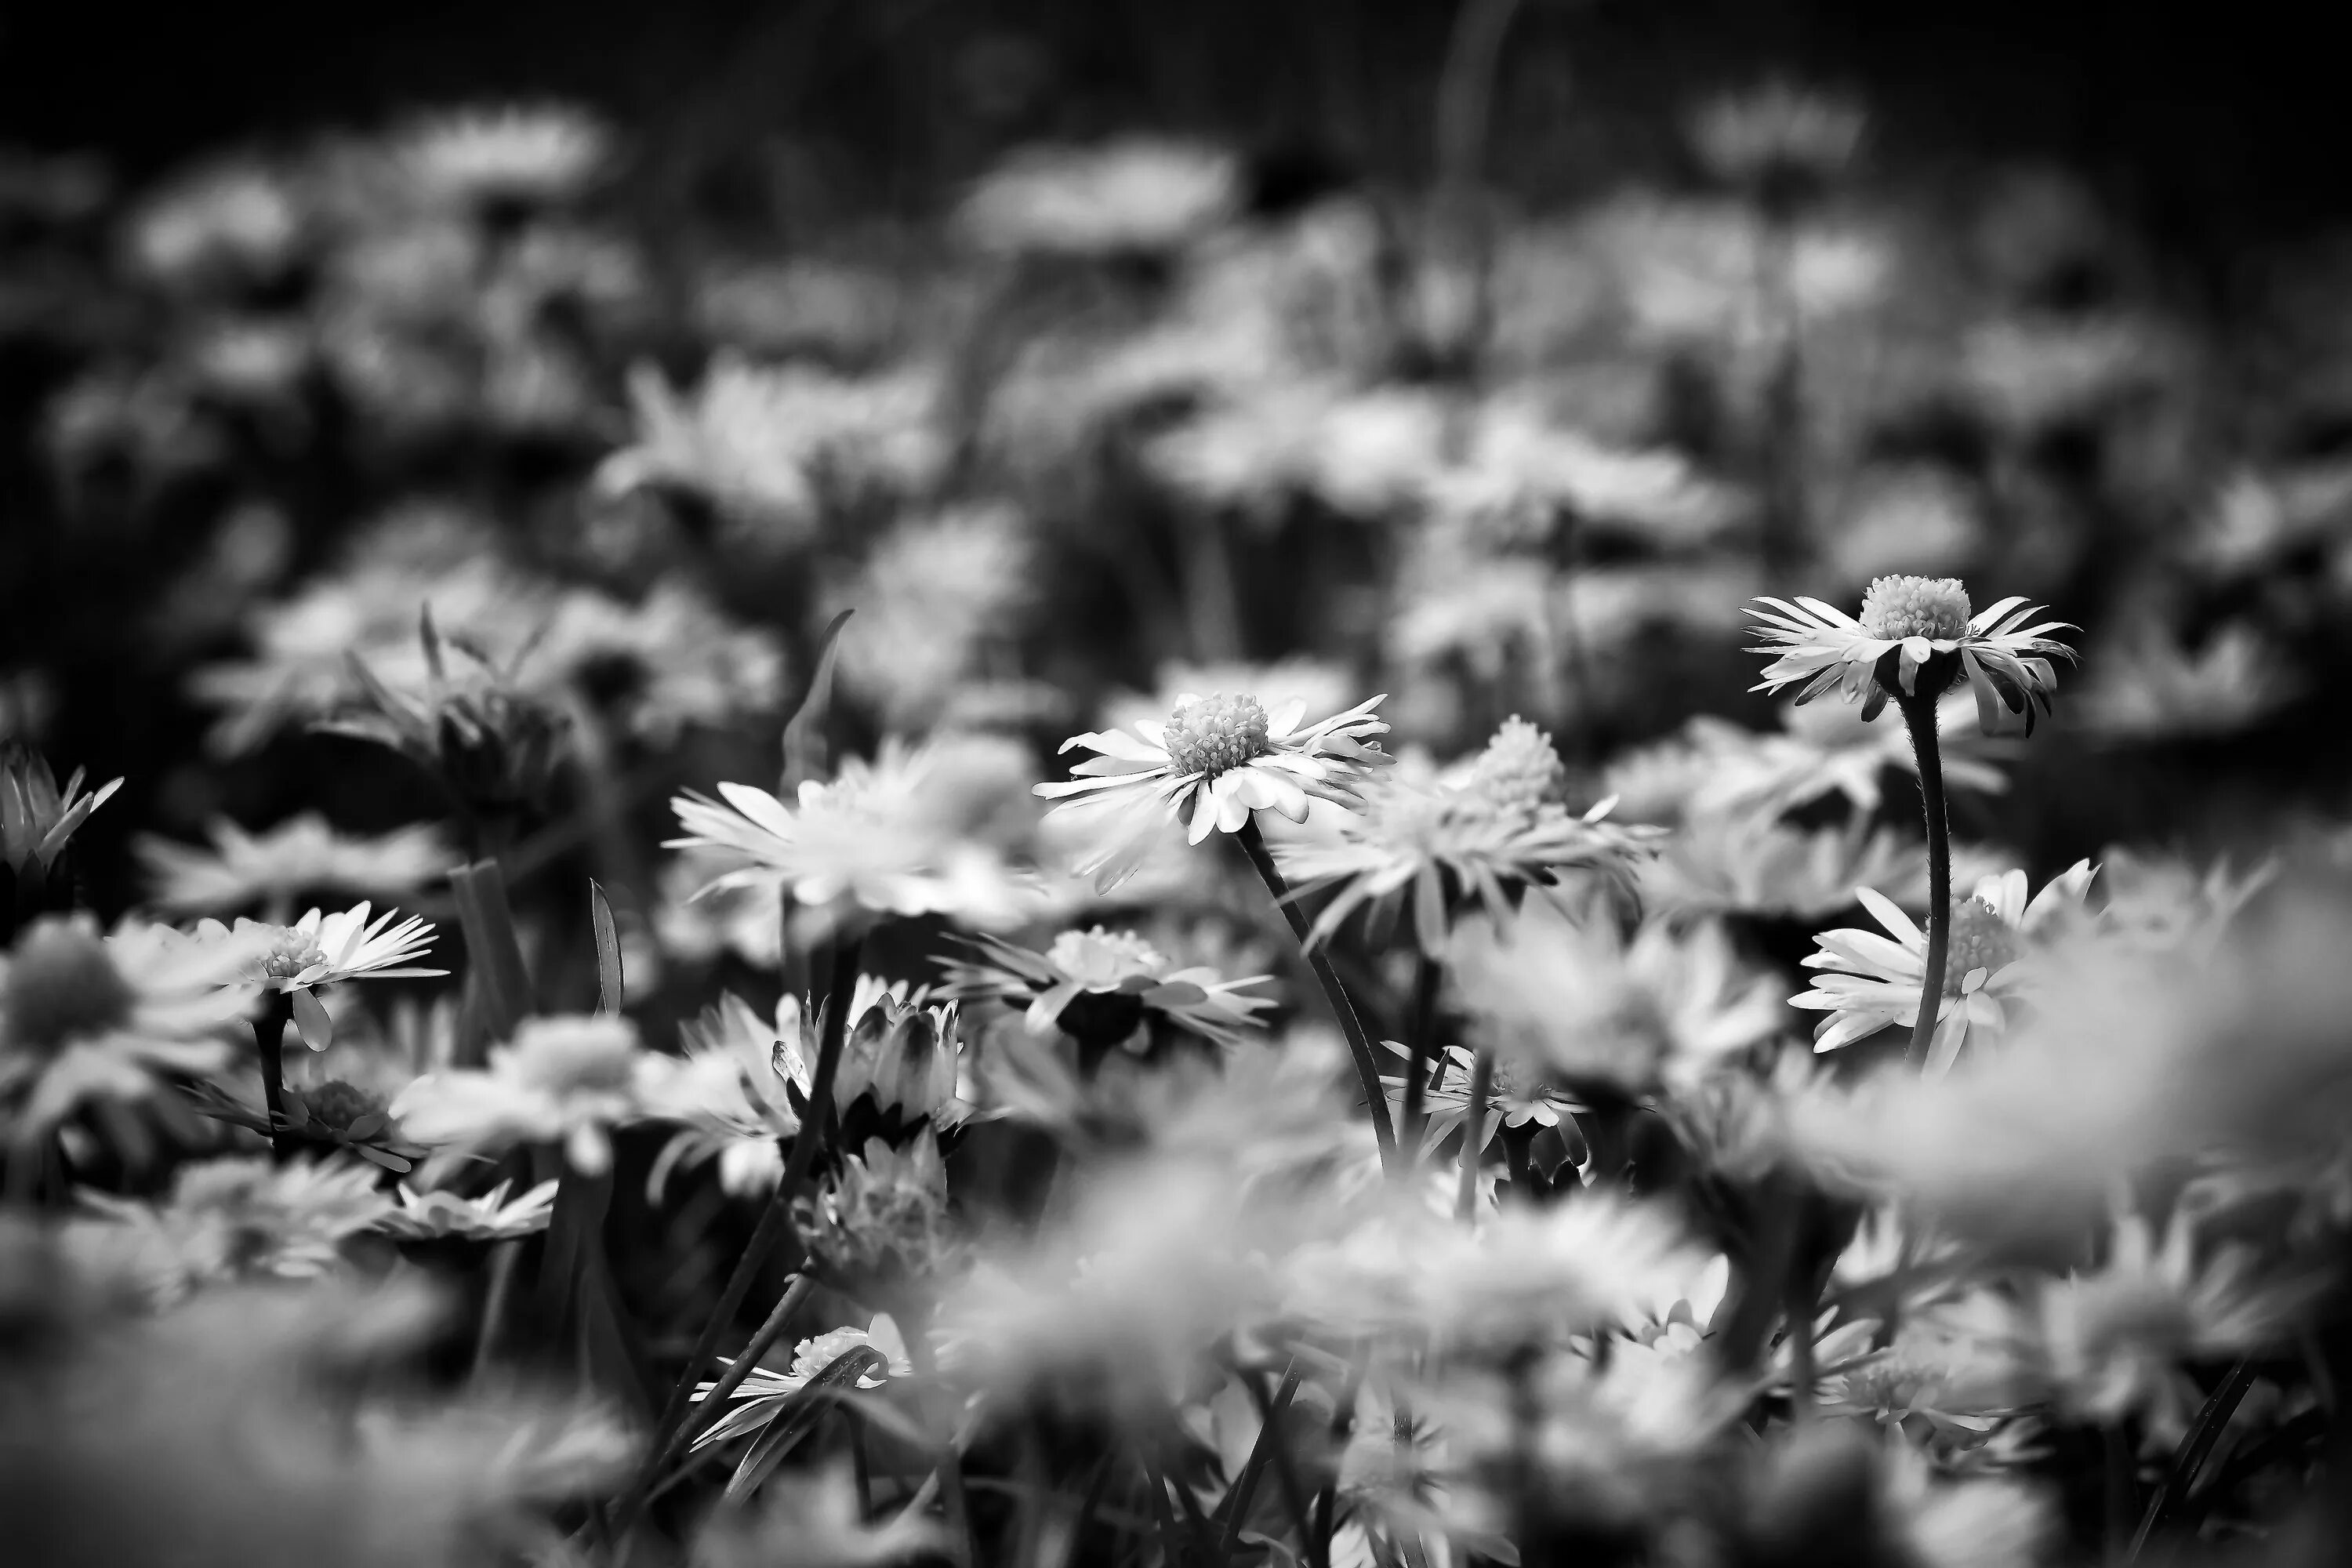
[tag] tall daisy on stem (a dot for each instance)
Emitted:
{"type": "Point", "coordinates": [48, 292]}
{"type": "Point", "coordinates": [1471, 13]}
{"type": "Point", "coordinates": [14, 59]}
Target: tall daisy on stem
{"type": "Point", "coordinates": [1214, 763]}
{"type": "Point", "coordinates": [1915, 640]}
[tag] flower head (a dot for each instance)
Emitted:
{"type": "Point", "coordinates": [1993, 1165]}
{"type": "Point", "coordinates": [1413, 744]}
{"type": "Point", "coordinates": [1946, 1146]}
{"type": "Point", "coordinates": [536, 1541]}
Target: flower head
{"type": "Point", "coordinates": [2115, 1335]}
{"type": "Point", "coordinates": [321, 949]}
{"type": "Point", "coordinates": [1870, 981]}
{"type": "Point", "coordinates": [1665, 1007]}
{"type": "Point", "coordinates": [565, 1079]}
{"type": "Point", "coordinates": [493, 740]}
{"type": "Point", "coordinates": [762, 1393]}
{"type": "Point", "coordinates": [734, 1094]}
{"type": "Point", "coordinates": [882, 1217]}
{"type": "Point", "coordinates": [1777, 137]}
{"type": "Point", "coordinates": [303, 854]}
{"type": "Point", "coordinates": [493, 1216]}
{"type": "Point", "coordinates": [1097, 986]}
{"type": "Point", "coordinates": [510, 153]}
{"type": "Point", "coordinates": [243, 1218]}
{"type": "Point", "coordinates": [1909, 625]}
{"type": "Point", "coordinates": [1480, 844]}
{"type": "Point", "coordinates": [905, 834]}
{"type": "Point", "coordinates": [1137, 194]}
{"type": "Point", "coordinates": [87, 1019]}
{"type": "Point", "coordinates": [1213, 762]}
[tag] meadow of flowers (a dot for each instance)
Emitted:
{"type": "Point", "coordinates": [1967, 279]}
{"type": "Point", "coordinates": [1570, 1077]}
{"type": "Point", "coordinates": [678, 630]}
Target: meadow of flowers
{"type": "Point", "coordinates": [1190, 867]}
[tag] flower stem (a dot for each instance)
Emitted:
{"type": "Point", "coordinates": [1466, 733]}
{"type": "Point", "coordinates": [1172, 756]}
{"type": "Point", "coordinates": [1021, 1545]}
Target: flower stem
{"type": "Point", "coordinates": [774, 1221]}
{"type": "Point", "coordinates": [1919, 714]}
{"type": "Point", "coordinates": [1474, 1125]}
{"type": "Point", "coordinates": [1359, 1045]}
{"type": "Point", "coordinates": [1423, 1043]}
{"type": "Point", "coordinates": [269, 1041]}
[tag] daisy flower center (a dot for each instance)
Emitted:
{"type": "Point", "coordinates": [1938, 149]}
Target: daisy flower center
{"type": "Point", "coordinates": [1212, 736]}
{"type": "Point", "coordinates": [1520, 769]}
{"type": "Point", "coordinates": [1980, 940]}
{"type": "Point", "coordinates": [1898, 607]}
{"type": "Point", "coordinates": [1101, 957]}
{"type": "Point", "coordinates": [565, 1061]}
{"type": "Point", "coordinates": [292, 952]}
{"type": "Point", "coordinates": [338, 1104]}
{"type": "Point", "coordinates": [62, 984]}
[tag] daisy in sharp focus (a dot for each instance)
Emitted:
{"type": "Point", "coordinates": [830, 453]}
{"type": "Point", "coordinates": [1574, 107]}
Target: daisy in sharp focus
{"type": "Point", "coordinates": [1907, 623]}
{"type": "Point", "coordinates": [1101, 982]}
{"type": "Point", "coordinates": [1213, 762]}
{"type": "Point", "coordinates": [87, 1020]}
{"type": "Point", "coordinates": [1870, 982]}
{"type": "Point", "coordinates": [321, 949]}
{"type": "Point", "coordinates": [1482, 839]}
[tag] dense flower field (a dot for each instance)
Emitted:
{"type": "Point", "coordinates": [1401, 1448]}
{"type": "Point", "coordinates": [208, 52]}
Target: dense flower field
{"type": "Point", "coordinates": [1198, 866]}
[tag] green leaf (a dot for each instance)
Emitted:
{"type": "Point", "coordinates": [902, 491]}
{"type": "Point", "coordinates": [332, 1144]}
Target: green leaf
{"type": "Point", "coordinates": [608, 950]}
{"type": "Point", "coordinates": [804, 742]}
{"type": "Point", "coordinates": [797, 1416]}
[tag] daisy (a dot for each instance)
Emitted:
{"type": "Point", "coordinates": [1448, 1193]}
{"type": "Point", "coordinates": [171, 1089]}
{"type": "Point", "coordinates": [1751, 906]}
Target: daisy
{"type": "Point", "coordinates": [761, 1395]}
{"type": "Point", "coordinates": [321, 950]}
{"type": "Point", "coordinates": [732, 1095]}
{"type": "Point", "coordinates": [87, 1020]}
{"type": "Point", "coordinates": [332, 1113]}
{"type": "Point", "coordinates": [2116, 1336]}
{"type": "Point", "coordinates": [301, 854]}
{"type": "Point", "coordinates": [1665, 1007]}
{"type": "Point", "coordinates": [250, 1218]}
{"type": "Point", "coordinates": [1438, 850]}
{"type": "Point", "coordinates": [1214, 761]}
{"type": "Point", "coordinates": [1099, 983]}
{"type": "Point", "coordinates": [889, 837]}
{"type": "Point", "coordinates": [513, 152]}
{"type": "Point", "coordinates": [1908, 624]}
{"type": "Point", "coordinates": [433, 1215]}
{"type": "Point", "coordinates": [1776, 133]}
{"type": "Point", "coordinates": [1872, 981]}
{"type": "Point", "coordinates": [1130, 196]}
{"type": "Point", "coordinates": [565, 1079]}
{"type": "Point", "coordinates": [1515, 1098]}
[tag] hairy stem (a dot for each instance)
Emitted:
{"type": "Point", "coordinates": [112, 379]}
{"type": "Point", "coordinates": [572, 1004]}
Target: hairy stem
{"type": "Point", "coordinates": [774, 1221]}
{"type": "Point", "coordinates": [1919, 713]}
{"type": "Point", "coordinates": [1359, 1045]}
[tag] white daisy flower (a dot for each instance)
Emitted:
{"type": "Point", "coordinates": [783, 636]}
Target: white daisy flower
{"type": "Point", "coordinates": [565, 1079]}
{"type": "Point", "coordinates": [321, 949]}
{"type": "Point", "coordinates": [762, 1392]}
{"type": "Point", "coordinates": [1213, 762]}
{"type": "Point", "coordinates": [1908, 622]}
{"type": "Point", "coordinates": [1111, 979]}
{"type": "Point", "coordinates": [889, 837]}
{"type": "Point", "coordinates": [512, 152]}
{"type": "Point", "coordinates": [492, 1217]}
{"type": "Point", "coordinates": [1482, 840]}
{"type": "Point", "coordinates": [731, 1095]}
{"type": "Point", "coordinates": [303, 854]}
{"type": "Point", "coordinates": [246, 1218]}
{"type": "Point", "coordinates": [1870, 982]}
{"type": "Point", "coordinates": [87, 1020]}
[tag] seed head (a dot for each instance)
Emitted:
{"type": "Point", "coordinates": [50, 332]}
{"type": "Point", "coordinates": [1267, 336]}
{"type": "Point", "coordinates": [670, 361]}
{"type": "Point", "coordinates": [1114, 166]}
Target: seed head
{"type": "Point", "coordinates": [1212, 735]}
{"type": "Point", "coordinates": [62, 985]}
{"type": "Point", "coordinates": [1518, 768]}
{"type": "Point", "coordinates": [1980, 940]}
{"type": "Point", "coordinates": [1894, 607]}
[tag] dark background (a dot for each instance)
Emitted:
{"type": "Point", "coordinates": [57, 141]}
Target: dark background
{"type": "Point", "coordinates": [2212, 127]}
